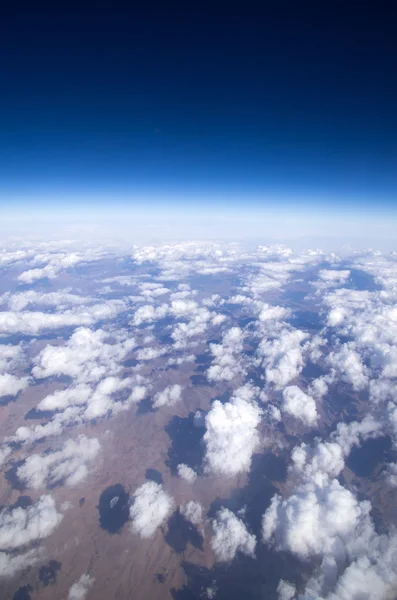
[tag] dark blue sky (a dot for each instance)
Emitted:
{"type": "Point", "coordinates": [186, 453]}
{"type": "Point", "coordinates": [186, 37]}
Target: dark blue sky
{"type": "Point", "coordinates": [294, 99]}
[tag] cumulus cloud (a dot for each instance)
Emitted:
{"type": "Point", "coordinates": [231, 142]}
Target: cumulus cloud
{"type": "Point", "coordinates": [285, 590]}
{"type": "Point", "coordinates": [10, 564]}
{"type": "Point", "coordinates": [192, 511]}
{"type": "Point", "coordinates": [61, 399]}
{"type": "Point", "coordinates": [348, 365]}
{"type": "Point", "coordinates": [299, 405]}
{"type": "Point", "coordinates": [227, 364]}
{"type": "Point", "coordinates": [151, 506]}
{"type": "Point", "coordinates": [60, 299]}
{"type": "Point", "coordinates": [87, 356]}
{"type": "Point", "coordinates": [11, 357]}
{"type": "Point", "coordinates": [282, 356]}
{"type": "Point", "coordinates": [34, 322]}
{"type": "Point", "coordinates": [168, 397]}
{"type": "Point", "coordinates": [329, 278]}
{"type": "Point", "coordinates": [68, 465]}
{"type": "Point", "coordinates": [10, 385]}
{"type": "Point", "coordinates": [79, 590]}
{"type": "Point", "coordinates": [231, 434]}
{"type": "Point", "coordinates": [56, 262]}
{"type": "Point", "coordinates": [231, 536]}
{"type": "Point", "coordinates": [317, 519]}
{"type": "Point", "coordinates": [151, 353]}
{"type": "Point", "coordinates": [5, 452]}
{"type": "Point", "coordinates": [149, 313]}
{"type": "Point", "coordinates": [20, 526]}
{"type": "Point", "coordinates": [186, 473]}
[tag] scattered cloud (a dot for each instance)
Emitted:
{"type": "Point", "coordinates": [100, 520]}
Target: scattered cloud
{"type": "Point", "coordinates": [230, 536]}
{"type": "Point", "coordinates": [150, 508]}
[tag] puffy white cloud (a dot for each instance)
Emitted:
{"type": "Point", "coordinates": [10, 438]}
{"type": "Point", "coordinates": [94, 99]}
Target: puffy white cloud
{"type": "Point", "coordinates": [20, 526]}
{"type": "Point", "coordinates": [192, 511]}
{"type": "Point", "coordinates": [151, 353]}
{"type": "Point", "coordinates": [169, 396]}
{"type": "Point", "coordinates": [68, 465]}
{"type": "Point", "coordinates": [152, 290]}
{"type": "Point", "coordinates": [197, 325]}
{"type": "Point", "coordinates": [285, 590]}
{"type": "Point", "coordinates": [5, 452]}
{"type": "Point", "coordinates": [151, 506]}
{"type": "Point", "coordinates": [299, 405]}
{"type": "Point", "coordinates": [79, 590]}
{"type": "Point", "coordinates": [21, 300]}
{"type": "Point", "coordinates": [149, 313]}
{"type": "Point", "coordinates": [324, 458]}
{"type": "Point", "coordinates": [10, 564]}
{"type": "Point", "coordinates": [273, 313]}
{"type": "Point", "coordinates": [56, 262]}
{"type": "Point", "coordinates": [10, 385]}
{"type": "Point", "coordinates": [186, 473]}
{"type": "Point", "coordinates": [33, 322]}
{"type": "Point", "coordinates": [61, 399]}
{"type": "Point", "coordinates": [282, 356]}
{"type": "Point", "coordinates": [231, 436]}
{"type": "Point", "coordinates": [348, 364]}
{"type": "Point", "coordinates": [10, 357]}
{"type": "Point", "coordinates": [348, 435]}
{"type": "Point", "coordinates": [328, 278]}
{"type": "Point", "coordinates": [226, 364]}
{"type": "Point", "coordinates": [317, 519]}
{"type": "Point", "coordinates": [87, 356]}
{"type": "Point", "coordinates": [231, 536]}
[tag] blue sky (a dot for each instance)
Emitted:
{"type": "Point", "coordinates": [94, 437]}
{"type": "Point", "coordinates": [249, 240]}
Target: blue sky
{"type": "Point", "coordinates": [281, 109]}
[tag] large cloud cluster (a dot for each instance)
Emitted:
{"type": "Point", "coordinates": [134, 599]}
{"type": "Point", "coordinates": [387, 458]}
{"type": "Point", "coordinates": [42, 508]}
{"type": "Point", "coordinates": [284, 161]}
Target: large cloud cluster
{"type": "Point", "coordinates": [93, 360]}
{"type": "Point", "coordinates": [34, 322]}
{"type": "Point", "coordinates": [227, 362]}
{"type": "Point", "coordinates": [68, 465]}
{"type": "Point", "coordinates": [231, 435]}
{"type": "Point", "coordinates": [21, 526]}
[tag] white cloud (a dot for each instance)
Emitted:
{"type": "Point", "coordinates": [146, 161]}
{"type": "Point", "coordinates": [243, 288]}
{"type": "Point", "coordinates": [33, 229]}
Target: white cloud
{"type": "Point", "coordinates": [21, 300]}
{"type": "Point", "coordinates": [33, 322]}
{"type": "Point", "coordinates": [273, 313]}
{"type": "Point", "coordinates": [168, 397]}
{"type": "Point", "coordinates": [232, 436]}
{"type": "Point", "coordinates": [231, 536]}
{"type": "Point", "coordinates": [87, 356]}
{"type": "Point", "coordinates": [186, 473]}
{"type": "Point", "coordinates": [317, 519]}
{"type": "Point", "coordinates": [20, 526]}
{"type": "Point", "coordinates": [4, 454]}
{"type": "Point", "coordinates": [285, 590]}
{"type": "Point", "coordinates": [10, 564]}
{"type": "Point", "coordinates": [149, 313]}
{"type": "Point", "coordinates": [79, 590]}
{"type": "Point", "coordinates": [348, 364]}
{"type": "Point", "coordinates": [61, 399]}
{"type": "Point", "coordinates": [299, 405]}
{"type": "Point", "coordinates": [226, 364]}
{"type": "Point", "coordinates": [11, 385]}
{"type": "Point", "coordinates": [328, 278]}
{"type": "Point", "coordinates": [282, 356]}
{"type": "Point", "coordinates": [69, 465]}
{"type": "Point", "coordinates": [192, 511]}
{"type": "Point", "coordinates": [151, 506]}
{"type": "Point", "coordinates": [10, 357]}
{"type": "Point", "coordinates": [151, 353]}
